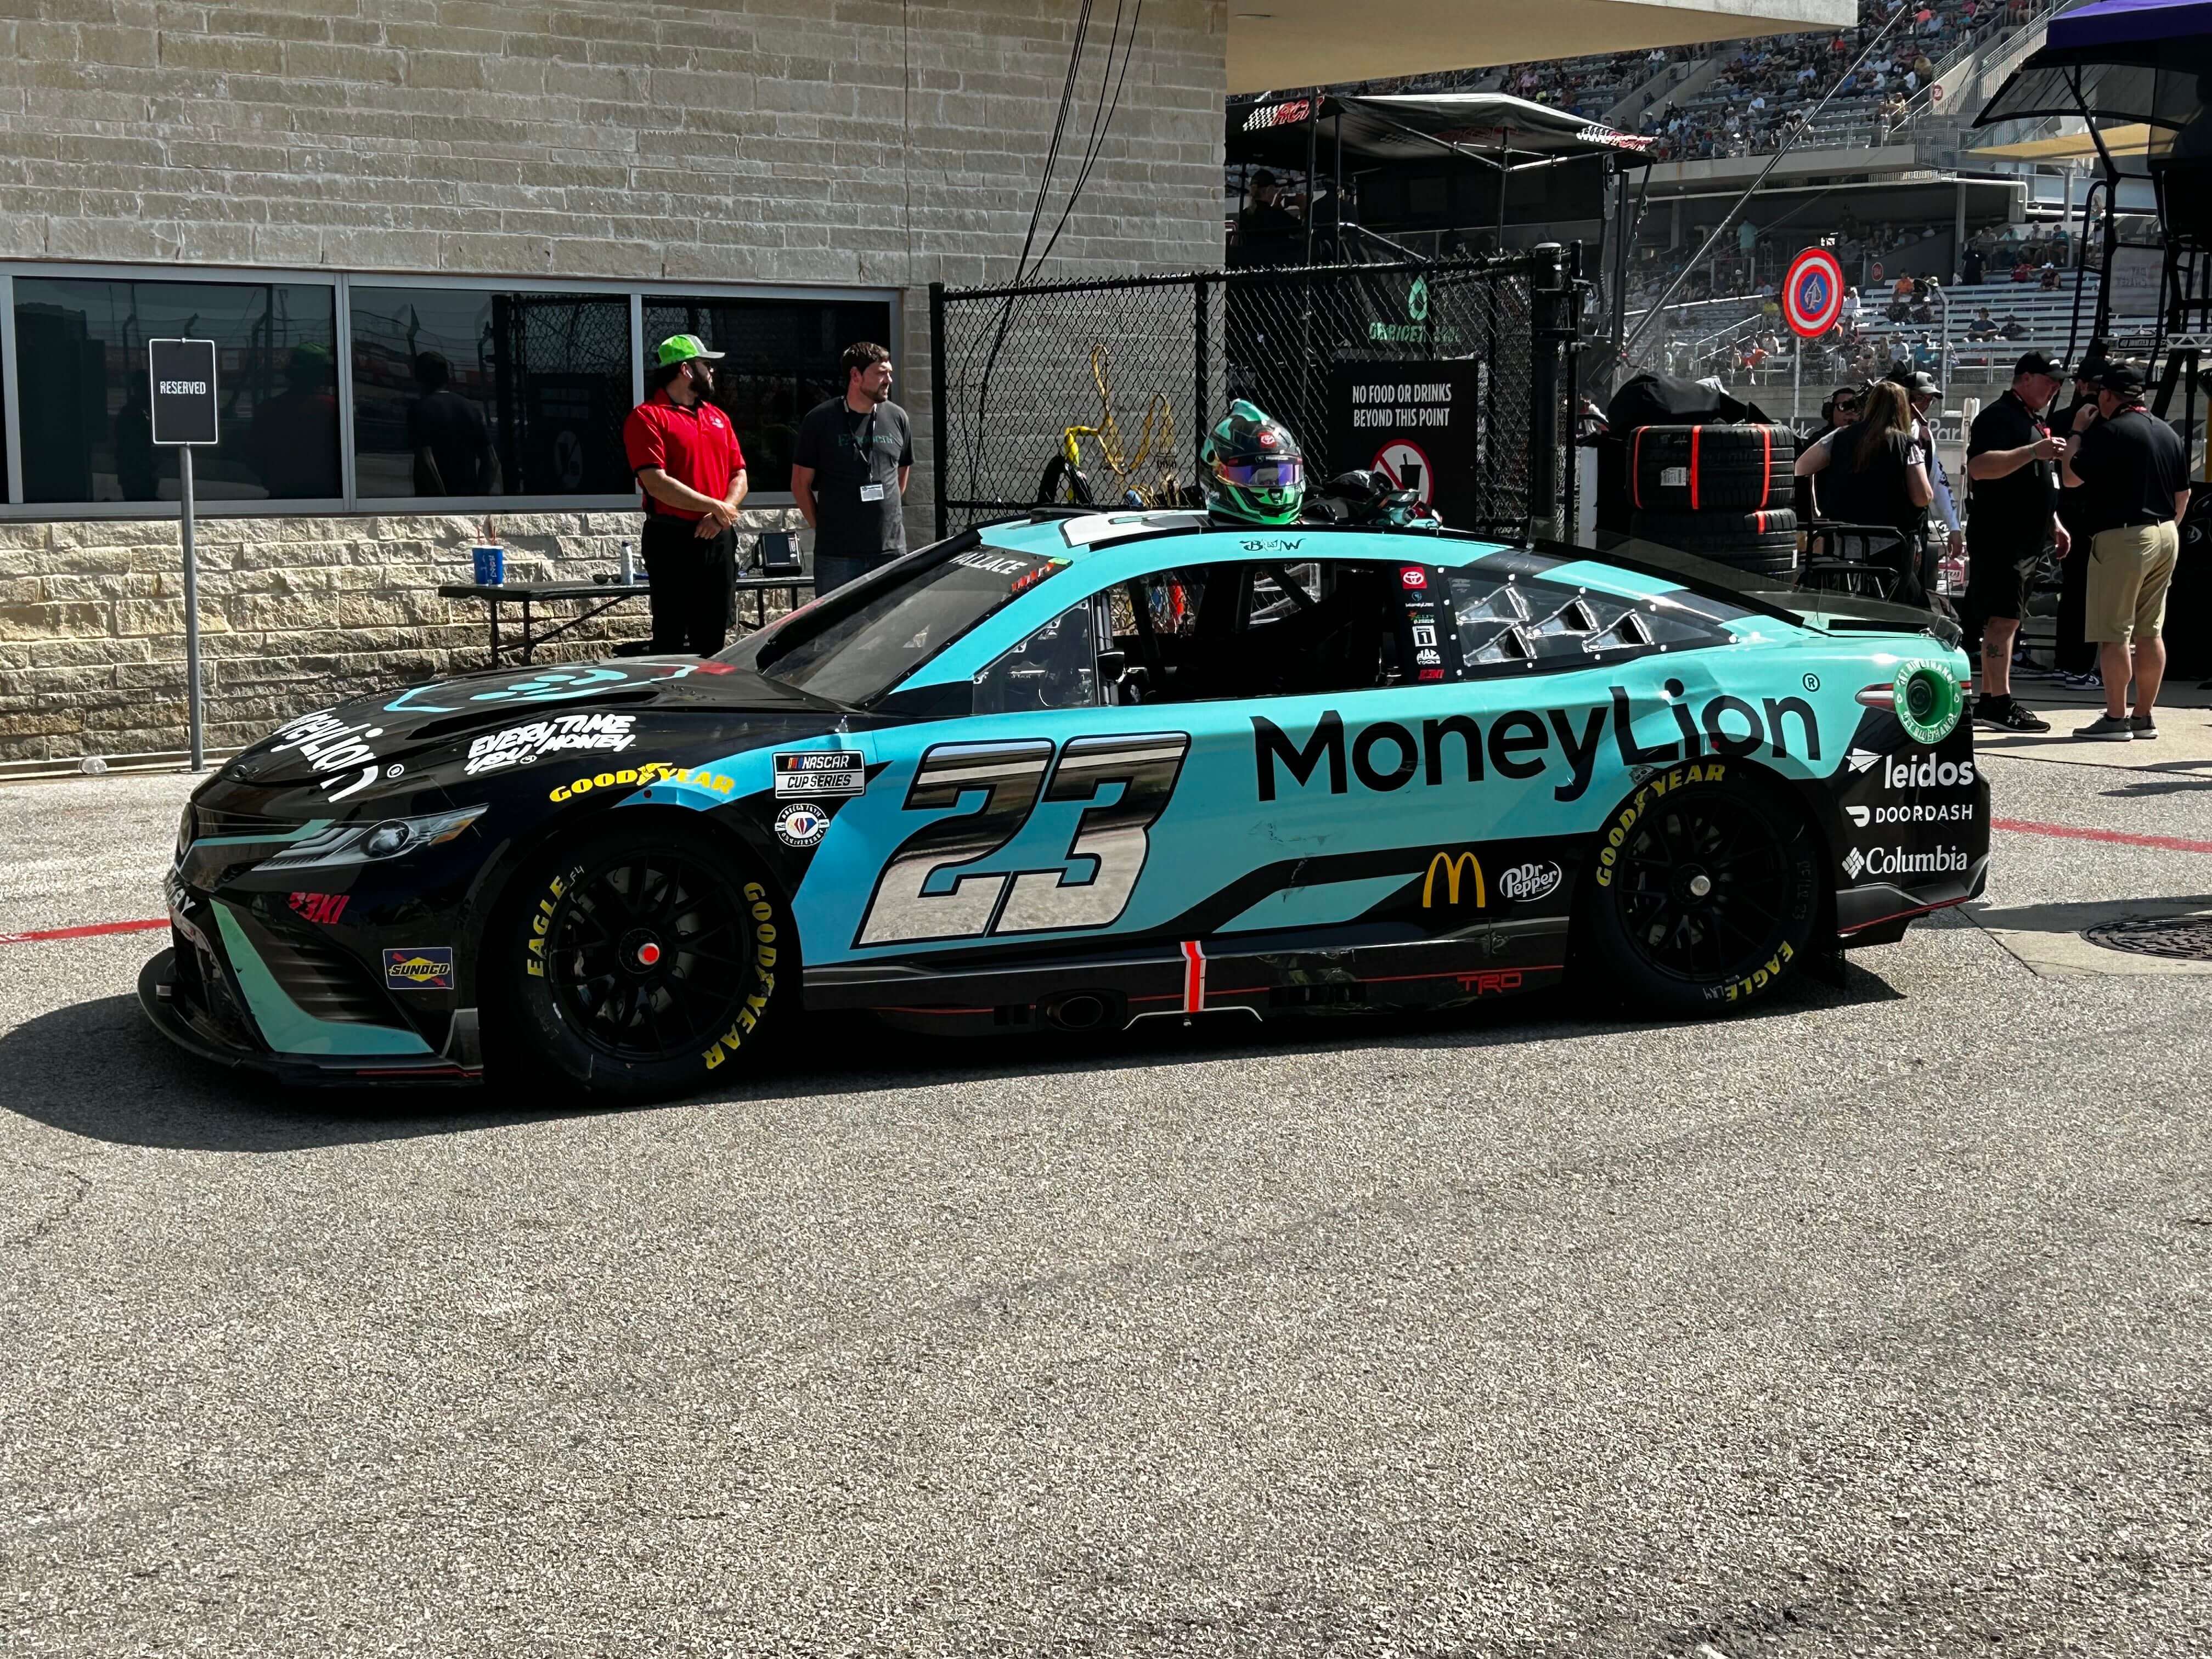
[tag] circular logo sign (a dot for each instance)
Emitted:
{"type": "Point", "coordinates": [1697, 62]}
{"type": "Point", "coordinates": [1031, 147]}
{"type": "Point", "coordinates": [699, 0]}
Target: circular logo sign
{"type": "Point", "coordinates": [1404, 466]}
{"type": "Point", "coordinates": [1813, 292]}
{"type": "Point", "coordinates": [801, 826]}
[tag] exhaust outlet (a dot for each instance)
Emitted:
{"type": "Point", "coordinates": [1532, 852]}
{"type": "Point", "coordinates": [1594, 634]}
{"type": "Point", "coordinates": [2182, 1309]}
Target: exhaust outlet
{"type": "Point", "coordinates": [1079, 1011]}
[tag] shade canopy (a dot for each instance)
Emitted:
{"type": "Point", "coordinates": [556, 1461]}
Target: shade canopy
{"type": "Point", "coordinates": [2126, 31]}
{"type": "Point", "coordinates": [2134, 138]}
{"type": "Point", "coordinates": [2148, 61]}
{"type": "Point", "coordinates": [1405, 127]}
{"type": "Point", "coordinates": [1306, 43]}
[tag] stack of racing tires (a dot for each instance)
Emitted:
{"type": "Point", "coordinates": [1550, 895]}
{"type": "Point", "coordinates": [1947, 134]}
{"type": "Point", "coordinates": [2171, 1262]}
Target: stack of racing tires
{"type": "Point", "coordinates": [1724, 493]}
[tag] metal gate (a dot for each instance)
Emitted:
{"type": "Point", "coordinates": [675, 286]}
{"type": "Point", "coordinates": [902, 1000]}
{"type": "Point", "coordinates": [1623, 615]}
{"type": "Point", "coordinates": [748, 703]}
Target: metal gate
{"type": "Point", "coordinates": [1128, 374]}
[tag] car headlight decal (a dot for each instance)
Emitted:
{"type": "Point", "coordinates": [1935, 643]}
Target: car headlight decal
{"type": "Point", "coordinates": [374, 842]}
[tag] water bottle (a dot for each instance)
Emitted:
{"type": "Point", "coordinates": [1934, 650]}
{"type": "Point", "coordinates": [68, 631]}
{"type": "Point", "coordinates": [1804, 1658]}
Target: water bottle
{"type": "Point", "coordinates": [629, 563]}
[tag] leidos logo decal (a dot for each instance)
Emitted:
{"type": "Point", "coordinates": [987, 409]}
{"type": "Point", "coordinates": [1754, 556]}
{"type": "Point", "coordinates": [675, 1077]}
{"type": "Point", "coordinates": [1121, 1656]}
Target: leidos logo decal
{"type": "Point", "coordinates": [1453, 866]}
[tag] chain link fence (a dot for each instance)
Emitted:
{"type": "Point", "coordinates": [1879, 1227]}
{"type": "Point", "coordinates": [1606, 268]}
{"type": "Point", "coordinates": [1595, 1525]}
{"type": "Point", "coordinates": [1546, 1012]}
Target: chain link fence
{"type": "Point", "coordinates": [1092, 393]}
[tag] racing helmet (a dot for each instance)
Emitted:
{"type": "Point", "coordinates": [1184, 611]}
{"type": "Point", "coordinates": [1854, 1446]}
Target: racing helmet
{"type": "Point", "coordinates": [1254, 472]}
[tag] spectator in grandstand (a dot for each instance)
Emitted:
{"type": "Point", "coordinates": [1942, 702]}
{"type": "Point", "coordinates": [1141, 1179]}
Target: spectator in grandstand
{"type": "Point", "coordinates": [2024, 269]}
{"type": "Point", "coordinates": [1972, 264]}
{"type": "Point", "coordinates": [2012, 518]}
{"type": "Point", "coordinates": [2014, 329]}
{"type": "Point", "coordinates": [1984, 327]}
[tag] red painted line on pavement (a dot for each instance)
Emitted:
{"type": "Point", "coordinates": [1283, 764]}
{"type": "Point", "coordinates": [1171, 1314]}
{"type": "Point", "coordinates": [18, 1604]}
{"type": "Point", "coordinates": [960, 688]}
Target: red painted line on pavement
{"type": "Point", "coordinates": [92, 931]}
{"type": "Point", "coordinates": [2069, 832]}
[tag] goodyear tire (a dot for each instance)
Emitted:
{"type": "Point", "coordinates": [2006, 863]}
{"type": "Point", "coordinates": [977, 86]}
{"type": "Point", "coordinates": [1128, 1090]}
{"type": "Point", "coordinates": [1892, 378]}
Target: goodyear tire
{"type": "Point", "coordinates": [643, 963]}
{"type": "Point", "coordinates": [1708, 468]}
{"type": "Point", "coordinates": [1705, 892]}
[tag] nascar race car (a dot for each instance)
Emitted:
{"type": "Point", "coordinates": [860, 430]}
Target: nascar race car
{"type": "Point", "coordinates": [1075, 771]}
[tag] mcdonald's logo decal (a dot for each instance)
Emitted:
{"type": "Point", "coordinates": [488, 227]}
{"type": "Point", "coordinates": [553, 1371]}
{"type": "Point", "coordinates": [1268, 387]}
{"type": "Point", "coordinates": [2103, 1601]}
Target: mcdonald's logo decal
{"type": "Point", "coordinates": [1454, 867]}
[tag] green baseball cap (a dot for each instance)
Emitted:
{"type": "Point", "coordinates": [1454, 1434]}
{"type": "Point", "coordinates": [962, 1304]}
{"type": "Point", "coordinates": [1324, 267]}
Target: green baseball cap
{"type": "Point", "coordinates": [682, 348]}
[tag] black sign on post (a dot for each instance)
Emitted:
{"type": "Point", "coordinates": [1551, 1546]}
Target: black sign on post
{"type": "Point", "coordinates": [182, 376]}
{"type": "Point", "coordinates": [183, 390]}
{"type": "Point", "coordinates": [1423, 426]}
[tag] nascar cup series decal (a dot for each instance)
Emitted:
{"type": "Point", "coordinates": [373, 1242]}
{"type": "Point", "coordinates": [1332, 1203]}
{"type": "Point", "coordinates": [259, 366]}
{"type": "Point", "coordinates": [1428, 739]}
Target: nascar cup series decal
{"type": "Point", "coordinates": [821, 772]}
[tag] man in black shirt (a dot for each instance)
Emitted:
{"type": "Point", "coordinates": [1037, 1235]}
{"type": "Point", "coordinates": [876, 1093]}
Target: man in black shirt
{"type": "Point", "coordinates": [449, 438]}
{"type": "Point", "coordinates": [2075, 658]}
{"type": "Point", "coordinates": [849, 471]}
{"type": "Point", "coordinates": [2011, 518]}
{"type": "Point", "coordinates": [2133, 474]}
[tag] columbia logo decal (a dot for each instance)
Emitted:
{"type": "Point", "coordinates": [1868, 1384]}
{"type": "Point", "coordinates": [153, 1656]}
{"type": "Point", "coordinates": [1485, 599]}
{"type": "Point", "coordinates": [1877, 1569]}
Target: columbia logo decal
{"type": "Point", "coordinates": [1853, 863]}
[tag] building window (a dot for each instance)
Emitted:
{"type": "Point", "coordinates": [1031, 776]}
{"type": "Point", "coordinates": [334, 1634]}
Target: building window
{"type": "Point", "coordinates": [783, 360]}
{"type": "Point", "coordinates": [81, 378]}
{"type": "Point", "coordinates": [469, 393]}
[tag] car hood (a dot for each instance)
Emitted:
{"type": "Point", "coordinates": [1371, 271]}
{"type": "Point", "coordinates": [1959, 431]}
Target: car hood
{"type": "Point", "coordinates": [357, 747]}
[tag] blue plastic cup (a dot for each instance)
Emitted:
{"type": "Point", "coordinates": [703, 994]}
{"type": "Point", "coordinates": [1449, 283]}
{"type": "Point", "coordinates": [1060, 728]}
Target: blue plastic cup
{"type": "Point", "coordinates": [491, 567]}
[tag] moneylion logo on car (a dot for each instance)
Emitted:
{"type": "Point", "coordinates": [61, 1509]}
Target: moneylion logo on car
{"type": "Point", "coordinates": [1898, 861]}
{"type": "Point", "coordinates": [1524, 884]}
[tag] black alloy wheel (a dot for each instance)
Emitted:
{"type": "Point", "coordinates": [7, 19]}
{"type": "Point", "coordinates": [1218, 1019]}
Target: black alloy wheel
{"type": "Point", "coordinates": [1710, 895]}
{"type": "Point", "coordinates": [648, 957]}
{"type": "Point", "coordinates": [644, 963]}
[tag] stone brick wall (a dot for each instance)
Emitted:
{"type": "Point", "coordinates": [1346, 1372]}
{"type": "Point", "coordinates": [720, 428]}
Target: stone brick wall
{"type": "Point", "coordinates": [873, 142]}
{"type": "Point", "coordinates": [294, 613]}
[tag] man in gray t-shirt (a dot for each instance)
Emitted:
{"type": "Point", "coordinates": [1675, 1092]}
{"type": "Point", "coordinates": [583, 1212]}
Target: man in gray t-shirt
{"type": "Point", "coordinates": [848, 471]}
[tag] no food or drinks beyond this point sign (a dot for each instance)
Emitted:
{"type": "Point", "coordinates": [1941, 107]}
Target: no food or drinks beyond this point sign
{"type": "Point", "coordinates": [183, 375]}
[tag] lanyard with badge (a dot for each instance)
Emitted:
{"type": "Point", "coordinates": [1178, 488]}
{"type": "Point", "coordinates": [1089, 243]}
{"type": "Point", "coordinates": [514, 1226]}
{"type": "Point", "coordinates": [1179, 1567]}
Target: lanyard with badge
{"type": "Point", "coordinates": [870, 491]}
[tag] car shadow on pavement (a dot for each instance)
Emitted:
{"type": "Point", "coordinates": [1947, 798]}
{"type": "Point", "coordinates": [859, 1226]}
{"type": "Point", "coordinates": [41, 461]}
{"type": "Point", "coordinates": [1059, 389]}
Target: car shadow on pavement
{"type": "Point", "coordinates": [97, 1069]}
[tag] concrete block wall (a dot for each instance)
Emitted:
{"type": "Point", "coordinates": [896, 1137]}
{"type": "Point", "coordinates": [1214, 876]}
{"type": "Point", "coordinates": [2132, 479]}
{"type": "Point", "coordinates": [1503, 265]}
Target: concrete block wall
{"type": "Point", "coordinates": [294, 613]}
{"type": "Point", "coordinates": [870, 141]}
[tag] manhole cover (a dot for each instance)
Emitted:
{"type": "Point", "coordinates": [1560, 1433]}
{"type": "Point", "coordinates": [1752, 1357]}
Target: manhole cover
{"type": "Point", "coordinates": [2187, 938]}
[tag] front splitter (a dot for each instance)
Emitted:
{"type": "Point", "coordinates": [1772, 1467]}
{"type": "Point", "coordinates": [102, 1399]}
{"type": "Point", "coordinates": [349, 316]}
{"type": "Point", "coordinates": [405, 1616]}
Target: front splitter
{"type": "Point", "coordinates": [157, 996]}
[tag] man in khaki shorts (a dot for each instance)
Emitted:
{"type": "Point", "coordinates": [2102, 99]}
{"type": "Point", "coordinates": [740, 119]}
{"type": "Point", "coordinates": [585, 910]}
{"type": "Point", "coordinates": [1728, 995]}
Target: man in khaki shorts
{"type": "Point", "coordinates": [2133, 474]}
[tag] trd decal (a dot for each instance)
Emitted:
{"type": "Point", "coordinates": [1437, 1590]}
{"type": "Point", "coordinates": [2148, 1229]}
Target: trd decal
{"type": "Point", "coordinates": [1113, 839]}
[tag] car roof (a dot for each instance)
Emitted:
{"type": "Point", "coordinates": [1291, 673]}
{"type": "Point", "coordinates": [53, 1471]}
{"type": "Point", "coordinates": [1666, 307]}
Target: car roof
{"type": "Point", "coordinates": [1076, 535]}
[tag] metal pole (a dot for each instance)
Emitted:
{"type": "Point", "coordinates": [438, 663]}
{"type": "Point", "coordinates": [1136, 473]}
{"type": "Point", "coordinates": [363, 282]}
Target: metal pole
{"type": "Point", "coordinates": [1201, 405]}
{"type": "Point", "coordinates": [196, 734]}
{"type": "Point", "coordinates": [1551, 301]}
{"type": "Point", "coordinates": [938, 394]}
{"type": "Point", "coordinates": [1796, 378]}
{"type": "Point", "coordinates": [1313, 144]}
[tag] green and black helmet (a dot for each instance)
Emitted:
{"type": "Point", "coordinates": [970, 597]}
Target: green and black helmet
{"type": "Point", "coordinates": [1254, 472]}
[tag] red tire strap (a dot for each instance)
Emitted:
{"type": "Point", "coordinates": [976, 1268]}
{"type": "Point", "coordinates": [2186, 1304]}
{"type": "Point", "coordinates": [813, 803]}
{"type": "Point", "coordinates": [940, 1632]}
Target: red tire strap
{"type": "Point", "coordinates": [1696, 432]}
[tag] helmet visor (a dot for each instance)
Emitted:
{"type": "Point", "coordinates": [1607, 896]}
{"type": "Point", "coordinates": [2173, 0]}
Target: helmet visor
{"type": "Point", "coordinates": [1270, 473]}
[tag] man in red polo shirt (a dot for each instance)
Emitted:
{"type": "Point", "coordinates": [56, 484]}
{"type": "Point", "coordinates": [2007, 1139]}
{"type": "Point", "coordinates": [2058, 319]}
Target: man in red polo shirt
{"type": "Point", "coordinates": [685, 455]}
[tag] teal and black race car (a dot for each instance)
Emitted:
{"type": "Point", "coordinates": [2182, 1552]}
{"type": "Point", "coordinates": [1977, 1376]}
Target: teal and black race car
{"type": "Point", "coordinates": [1076, 771]}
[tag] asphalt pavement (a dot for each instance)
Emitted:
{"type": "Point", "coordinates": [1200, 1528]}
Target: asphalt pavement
{"type": "Point", "coordinates": [1875, 1322]}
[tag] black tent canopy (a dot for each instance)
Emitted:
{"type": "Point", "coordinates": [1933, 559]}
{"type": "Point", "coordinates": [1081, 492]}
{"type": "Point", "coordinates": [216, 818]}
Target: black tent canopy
{"type": "Point", "coordinates": [1486, 126]}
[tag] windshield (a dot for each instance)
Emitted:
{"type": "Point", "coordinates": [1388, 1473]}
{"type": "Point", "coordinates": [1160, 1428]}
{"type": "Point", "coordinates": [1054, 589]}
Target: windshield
{"type": "Point", "coordinates": [860, 653]}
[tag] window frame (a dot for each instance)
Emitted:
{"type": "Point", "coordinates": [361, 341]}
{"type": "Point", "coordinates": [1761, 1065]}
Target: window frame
{"type": "Point", "coordinates": [350, 503]}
